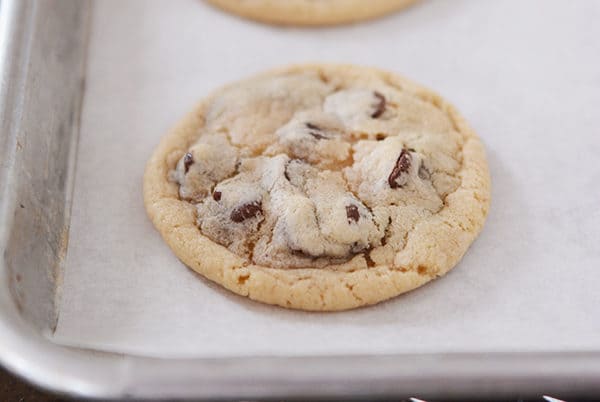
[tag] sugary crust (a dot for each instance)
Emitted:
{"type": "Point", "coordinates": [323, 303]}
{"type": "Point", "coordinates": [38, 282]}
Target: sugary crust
{"type": "Point", "coordinates": [311, 12]}
{"type": "Point", "coordinates": [431, 249]}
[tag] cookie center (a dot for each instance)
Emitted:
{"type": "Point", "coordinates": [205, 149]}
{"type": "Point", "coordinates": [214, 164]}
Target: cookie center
{"type": "Point", "coordinates": [305, 171]}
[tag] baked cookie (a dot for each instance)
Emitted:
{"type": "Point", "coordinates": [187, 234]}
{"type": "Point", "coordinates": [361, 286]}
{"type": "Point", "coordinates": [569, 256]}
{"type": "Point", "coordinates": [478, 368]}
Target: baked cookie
{"type": "Point", "coordinates": [311, 12]}
{"type": "Point", "coordinates": [320, 187]}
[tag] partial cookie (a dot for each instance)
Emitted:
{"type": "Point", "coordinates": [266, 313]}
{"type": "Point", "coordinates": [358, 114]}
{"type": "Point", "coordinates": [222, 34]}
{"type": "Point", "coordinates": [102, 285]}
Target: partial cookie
{"type": "Point", "coordinates": [311, 12]}
{"type": "Point", "coordinates": [320, 187]}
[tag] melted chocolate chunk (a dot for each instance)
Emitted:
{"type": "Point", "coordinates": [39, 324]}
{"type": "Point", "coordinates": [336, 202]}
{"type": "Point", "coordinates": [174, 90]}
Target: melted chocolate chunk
{"type": "Point", "coordinates": [379, 106]}
{"type": "Point", "coordinates": [402, 166]}
{"type": "Point", "coordinates": [246, 211]}
{"type": "Point", "coordinates": [188, 160]}
{"type": "Point", "coordinates": [217, 196]}
{"type": "Point", "coordinates": [315, 131]}
{"type": "Point", "coordinates": [352, 213]}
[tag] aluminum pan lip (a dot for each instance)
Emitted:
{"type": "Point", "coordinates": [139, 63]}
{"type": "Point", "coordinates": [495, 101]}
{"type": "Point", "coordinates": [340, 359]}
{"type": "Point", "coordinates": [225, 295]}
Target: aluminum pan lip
{"type": "Point", "coordinates": [93, 374]}
{"type": "Point", "coordinates": [104, 375]}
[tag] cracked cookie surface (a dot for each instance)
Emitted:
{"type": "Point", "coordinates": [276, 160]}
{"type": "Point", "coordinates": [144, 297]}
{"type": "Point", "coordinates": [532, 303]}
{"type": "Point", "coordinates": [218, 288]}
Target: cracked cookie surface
{"type": "Point", "coordinates": [310, 12]}
{"type": "Point", "coordinates": [320, 187]}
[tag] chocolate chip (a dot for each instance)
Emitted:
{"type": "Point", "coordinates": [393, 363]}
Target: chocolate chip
{"type": "Point", "coordinates": [380, 137]}
{"type": "Point", "coordinates": [402, 166]}
{"type": "Point", "coordinates": [423, 172]}
{"type": "Point", "coordinates": [303, 254]}
{"type": "Point", "coordinates": [315, 131]}
{"type": "Point", "coordinates": [217, 196]}
{"type": "Point", "coordinates": [379, 106]}
{"type": "Point", "coordinates": [357, 248]}
{"type": "Point", "coordinates": [188, 160]}
{"type": "Point", "coordinates": [246, 211]}
{"type": "Point", "coordinates": [352, 213]}
{"type": "Point", "coordinates": [317, 135]}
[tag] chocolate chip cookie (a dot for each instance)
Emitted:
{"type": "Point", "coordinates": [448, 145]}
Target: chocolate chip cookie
{"type": "Point", "coordinates": [311, 12]}
{"type": "Point", "coordinates": [320, 187]}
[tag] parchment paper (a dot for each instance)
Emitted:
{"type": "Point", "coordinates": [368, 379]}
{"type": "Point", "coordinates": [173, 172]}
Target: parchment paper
{"type": "Point", "coordinates": [526, 74]}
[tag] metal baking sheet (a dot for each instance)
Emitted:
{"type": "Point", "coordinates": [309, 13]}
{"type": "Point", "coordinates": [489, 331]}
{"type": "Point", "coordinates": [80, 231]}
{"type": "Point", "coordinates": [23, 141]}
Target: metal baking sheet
{"type": "Point", "coordinates": [523, 298]}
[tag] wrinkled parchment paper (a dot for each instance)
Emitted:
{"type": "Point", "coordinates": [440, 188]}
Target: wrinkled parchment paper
{"type": "Point", "coordinates": [526, 74]}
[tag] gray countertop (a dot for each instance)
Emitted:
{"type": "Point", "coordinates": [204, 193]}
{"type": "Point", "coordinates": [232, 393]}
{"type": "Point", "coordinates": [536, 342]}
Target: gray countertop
{"type": "Point", "coordinates": [14, 389]}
